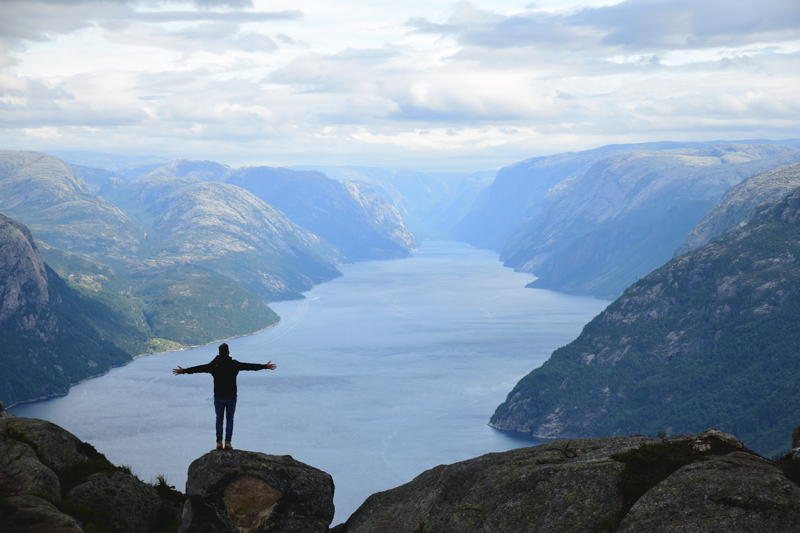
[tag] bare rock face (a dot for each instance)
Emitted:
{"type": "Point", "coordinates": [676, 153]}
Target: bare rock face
{"type": "Point", "coordinates": [122, 502]}
{"type": "Point", "coordinates": [561, 486]}
{"type": "Point", "coordinates": [738, 492]}
{"type": "Point", "coordinates": [39, 461]}
{"type": "Point", "coordinates": [241, 491]}
{"type": "Point", "coordinates": [591, 485]}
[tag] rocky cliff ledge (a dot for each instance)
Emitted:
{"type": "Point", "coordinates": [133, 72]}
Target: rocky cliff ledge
{"type": "Point", "coordinates": [51, 481]}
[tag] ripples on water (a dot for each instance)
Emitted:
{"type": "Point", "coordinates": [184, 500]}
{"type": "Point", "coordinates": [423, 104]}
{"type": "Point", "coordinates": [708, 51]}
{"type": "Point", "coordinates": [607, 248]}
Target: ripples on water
{"type": "Point", "coordinates": [384, 373]}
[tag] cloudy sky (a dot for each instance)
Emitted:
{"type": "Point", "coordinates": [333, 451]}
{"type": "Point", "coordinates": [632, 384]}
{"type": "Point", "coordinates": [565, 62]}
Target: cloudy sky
{"type": "Point", "coordinates": [421, 84]}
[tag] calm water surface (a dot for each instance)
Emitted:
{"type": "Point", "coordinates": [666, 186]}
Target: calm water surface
{"type": "Point", "coordinates": [384, 373]}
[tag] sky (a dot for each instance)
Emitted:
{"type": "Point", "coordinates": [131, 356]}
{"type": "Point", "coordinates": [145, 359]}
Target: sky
{"type": "Point", "coordinates": [430, 85]}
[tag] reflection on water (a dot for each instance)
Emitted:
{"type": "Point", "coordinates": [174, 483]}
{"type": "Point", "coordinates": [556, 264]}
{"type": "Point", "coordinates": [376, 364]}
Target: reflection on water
{"type": "Point", "coordinates": [384, 373]}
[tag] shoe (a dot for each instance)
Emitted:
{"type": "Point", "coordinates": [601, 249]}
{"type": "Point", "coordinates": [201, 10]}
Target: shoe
{"type": "Point", "coordinates": [219, 444]}
{"type": "Point", "coordinates": [228, 445]}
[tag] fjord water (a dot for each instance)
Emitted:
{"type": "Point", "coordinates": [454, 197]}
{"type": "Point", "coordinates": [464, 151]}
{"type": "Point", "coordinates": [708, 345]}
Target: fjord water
{"type": "Point", "coordinates": [390, 370]}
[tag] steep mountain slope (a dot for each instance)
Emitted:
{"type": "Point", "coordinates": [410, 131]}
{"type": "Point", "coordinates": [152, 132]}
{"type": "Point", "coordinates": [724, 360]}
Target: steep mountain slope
{"type": "Point", "coordinates": [628, 213]}
{"type": "Point", "coordinates": [50, 338]}
{"type": "Point", "coordinates": [322, 205]}
{"type": "Point", "coordinates": [45, 194]}
{"type": "Point", "coordinates": [383, 216]}
{"type": "Point", "coordinates": [525, 190]}
{"type": "Point", "coordinates": [708, 340]}
{"type": "Point", "coordinates": [734, 208]}
{"type": "Point", "coordinates": [229, 231]}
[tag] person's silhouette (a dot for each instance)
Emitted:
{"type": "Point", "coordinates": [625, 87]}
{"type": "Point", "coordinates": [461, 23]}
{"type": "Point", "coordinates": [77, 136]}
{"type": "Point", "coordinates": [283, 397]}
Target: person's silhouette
{"type": "Point", "coordinates": [224, 369]}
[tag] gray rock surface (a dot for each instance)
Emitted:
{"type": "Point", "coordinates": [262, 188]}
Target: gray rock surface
{"type": "Point", "coordinates": [121, 502]}
{"type": "Point", "coordinates": [567, 486]}
{"type": "Point", "coordinates": [54, 446]}
{"type": "Point", "coordinates": [29, 514]}
{"type": "Point", "coordinates": [241, 491]}
{"type": "Point", "coordinates": [738, 492]}
{"type": "Point", "coordinates": [573, 486]}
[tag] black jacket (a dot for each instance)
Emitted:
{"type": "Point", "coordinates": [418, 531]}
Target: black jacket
{"type": "Point", "coordinates": [224, 369]}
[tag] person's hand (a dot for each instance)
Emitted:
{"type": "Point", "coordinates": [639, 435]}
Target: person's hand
{"type": "Point", "coordinates": [177, 371]}
{"type": "Point", "coordinates": [271, 365]}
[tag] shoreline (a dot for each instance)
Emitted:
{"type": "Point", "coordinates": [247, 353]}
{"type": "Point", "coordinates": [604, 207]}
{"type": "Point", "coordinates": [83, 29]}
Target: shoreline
{"type": "Point", "coordinates": [135, 357]}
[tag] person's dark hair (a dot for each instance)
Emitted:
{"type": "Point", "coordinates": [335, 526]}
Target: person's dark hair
{"type": "Point", "coordinates": [223, 349]}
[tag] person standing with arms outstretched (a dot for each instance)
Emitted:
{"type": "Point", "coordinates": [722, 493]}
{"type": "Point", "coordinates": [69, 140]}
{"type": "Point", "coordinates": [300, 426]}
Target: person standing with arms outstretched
{"type": "Point", "coordinates": [224, 369]}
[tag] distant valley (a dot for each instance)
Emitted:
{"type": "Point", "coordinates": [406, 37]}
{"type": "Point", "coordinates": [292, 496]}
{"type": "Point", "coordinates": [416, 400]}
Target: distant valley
{"type": "Point", "coordinates": [186, 252]}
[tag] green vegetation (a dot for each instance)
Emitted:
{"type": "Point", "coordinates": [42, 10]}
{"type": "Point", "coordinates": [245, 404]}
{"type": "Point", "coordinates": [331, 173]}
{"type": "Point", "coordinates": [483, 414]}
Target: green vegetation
{"type": "Point", "coordinates": [195, 306]}
{"type": "Point", "coordinates": [708, 340]}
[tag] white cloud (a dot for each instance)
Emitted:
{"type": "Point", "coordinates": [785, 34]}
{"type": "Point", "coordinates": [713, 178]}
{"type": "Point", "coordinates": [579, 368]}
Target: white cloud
{"type": "Point", "coordinates": [448, 84]}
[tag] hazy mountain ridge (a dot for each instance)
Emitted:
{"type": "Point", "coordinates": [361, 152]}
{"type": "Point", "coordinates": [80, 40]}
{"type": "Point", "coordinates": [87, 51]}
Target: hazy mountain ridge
{"type": "Point", "coordinates": [628, 213]}
{"type": "Point", "coordinates": [524, 190]}
{"type": "Point", "coordinates": [735, 207]}
{"type": "Point", "coordinates": [430, 203]}
{"type": "Point", "coordinates": [324, 206]}
{"type": "Point", "coordinates": [709, 339]}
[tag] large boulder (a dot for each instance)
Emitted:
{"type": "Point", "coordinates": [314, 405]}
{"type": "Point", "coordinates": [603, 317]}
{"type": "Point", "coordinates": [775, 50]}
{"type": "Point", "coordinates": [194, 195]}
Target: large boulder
{"type": "Point", "coordinates": [121, 502]}
{"type": "Point", "coordinates": [590, 485]}
{"type": "Point", "coordinates": [21, 472]}
{"type": "Point", "coordinates": [39, 462]}
{"type": "Point", "coordinates": [735, 493]}
{"type": "Point", "coordinates": [55, 447]}
{"type": "Point", "coordinates": [561, 486]}
{"type": "Point", "coordinates": [30, 514]}
{"type": "Point", "coordinates": [240, 491]}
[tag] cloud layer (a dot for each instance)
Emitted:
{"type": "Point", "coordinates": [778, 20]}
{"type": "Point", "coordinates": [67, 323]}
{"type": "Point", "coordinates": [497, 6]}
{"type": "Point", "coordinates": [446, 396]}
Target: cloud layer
{"type": "Point", "coordinates": [429, 85]}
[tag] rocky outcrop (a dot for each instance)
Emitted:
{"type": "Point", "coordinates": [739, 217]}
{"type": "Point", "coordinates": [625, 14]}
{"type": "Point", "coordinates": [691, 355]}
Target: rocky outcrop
{"type": "Point", "coordinates": [121, 501]}
{"type": "Point", "coordinates": [585, 485]}
{"type": "Point", "coordinates": [241, 491]}
{"type": "Point", "coordinates": [737, 492]}
{"type": "Point", "coordinates": [47, 474]}
{"type": "Point", "coordinates": [560, 486]}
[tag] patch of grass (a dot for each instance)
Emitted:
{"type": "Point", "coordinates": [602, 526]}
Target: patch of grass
{"type": "Point", "coordinates": [169, 521]}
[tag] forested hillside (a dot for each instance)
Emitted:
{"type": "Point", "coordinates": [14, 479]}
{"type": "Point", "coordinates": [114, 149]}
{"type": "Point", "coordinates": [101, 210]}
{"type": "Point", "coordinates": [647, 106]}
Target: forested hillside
{"type": "Point", "coordinates": [708, 340]}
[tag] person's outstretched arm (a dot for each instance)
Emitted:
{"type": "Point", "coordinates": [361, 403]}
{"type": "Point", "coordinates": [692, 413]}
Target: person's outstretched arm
{"type": "Point", "coordinates": [256, 366]}
{"type": "Point", "coordinates": [192, 369]}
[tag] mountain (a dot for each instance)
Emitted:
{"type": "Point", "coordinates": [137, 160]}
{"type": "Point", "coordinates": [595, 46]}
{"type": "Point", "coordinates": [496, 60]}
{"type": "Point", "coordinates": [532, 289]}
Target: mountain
{"type": "Point", "coordinates": [430, 203]}
{"type": "Point", "coordinates": [226, 229]}
{"type": "Point", "coordinates": [628, 213]}
{"type": "Point", "coordinates": [734, 208]}
{"type": "Point", "coordinates": [325, 207]}
{"type": "Point", "coordinates": [710, 339]}
{"type": "Point", "coordinates": [45, 194]}
{"type": "Point", "coordinates": [95, 178]}
{"type": "Point", "coordinates": [130, 167]}
{"type": "Point", "coordinates": [525, 190]}
{"type": "Point", "coordinates": [51, 333]}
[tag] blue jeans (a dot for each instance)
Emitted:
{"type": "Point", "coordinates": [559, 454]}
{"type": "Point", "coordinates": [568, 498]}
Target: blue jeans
{"type": "Point", "coordinates": [228, 407]}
